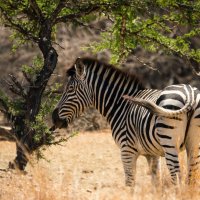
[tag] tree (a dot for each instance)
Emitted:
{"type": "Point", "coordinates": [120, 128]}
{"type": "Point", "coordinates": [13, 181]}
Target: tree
{"type": "Point", "coordinates": [153, 25]}
{"type": "Point", "coordinates": [35, 21]}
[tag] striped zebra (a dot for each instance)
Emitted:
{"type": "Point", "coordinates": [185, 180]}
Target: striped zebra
{"type": "Point", "coordinates": [154, 123]}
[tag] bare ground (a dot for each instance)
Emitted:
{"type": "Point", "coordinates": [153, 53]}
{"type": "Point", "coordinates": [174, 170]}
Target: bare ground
{"type": "Point", "coordinates": [88, 166]}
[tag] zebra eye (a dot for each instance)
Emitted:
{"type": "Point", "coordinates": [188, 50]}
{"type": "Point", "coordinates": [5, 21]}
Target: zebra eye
{"type": "Point", "coordinates": [70, 87]}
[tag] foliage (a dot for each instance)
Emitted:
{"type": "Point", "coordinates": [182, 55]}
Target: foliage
{"type": "Point", "coordinates": [153, 25]}
{"type": "Point", "coordinates": [34, 69]}
{"type": "Point", "coordinates": [13, 107]}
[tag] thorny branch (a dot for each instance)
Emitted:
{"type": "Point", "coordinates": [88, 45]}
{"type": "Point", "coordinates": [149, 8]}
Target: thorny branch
{"type": "Point", "coordinates": [28, 79]}
{"type": "Point", "coordinates": [145, 64]}
{"type": "Point", "coordinates": [122, 35]}
{"type": "Point", "coordinates": [16, 87]}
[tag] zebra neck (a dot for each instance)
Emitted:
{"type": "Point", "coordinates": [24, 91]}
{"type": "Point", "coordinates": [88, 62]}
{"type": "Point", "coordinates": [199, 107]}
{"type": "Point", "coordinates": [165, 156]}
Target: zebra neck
{"type": "Point", "coordinates": [109, 86]}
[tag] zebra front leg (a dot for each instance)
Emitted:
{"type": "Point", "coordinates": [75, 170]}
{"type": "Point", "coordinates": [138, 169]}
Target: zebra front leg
{"type": "Point", "coordinates": [129, 159]}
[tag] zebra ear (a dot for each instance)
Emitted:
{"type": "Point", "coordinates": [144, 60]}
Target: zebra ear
{"type": "Point", "coordinates": [80, 67]}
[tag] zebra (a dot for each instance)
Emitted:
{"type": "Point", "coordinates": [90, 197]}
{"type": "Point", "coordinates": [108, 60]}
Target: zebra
{"type": "Point", "coordinates": [136, 129]}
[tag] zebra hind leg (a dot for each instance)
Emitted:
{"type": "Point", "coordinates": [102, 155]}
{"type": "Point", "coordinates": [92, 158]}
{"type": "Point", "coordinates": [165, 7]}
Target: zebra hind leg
{"type": "Point", "coordinates": [172, 161]}
{"type": "Point", "coordinates": [193, 156]}
{"type": "Point", "coordinates": [169, 140]}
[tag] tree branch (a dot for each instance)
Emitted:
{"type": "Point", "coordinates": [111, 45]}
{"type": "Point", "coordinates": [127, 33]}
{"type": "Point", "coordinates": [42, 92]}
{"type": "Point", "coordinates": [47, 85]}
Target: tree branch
{"type": "Point", "coordinates": [37, 10]}
{"type": "Point", "coordinates": [82, 12]}
{"type": "Point", "coordinates": [58, 9]}
{"type": "Point", "coordinates": [28, 79]}
{"type": "Point", "coordinates": [16, 87]}
{"type": "Point", "coordinates": [149, 65]}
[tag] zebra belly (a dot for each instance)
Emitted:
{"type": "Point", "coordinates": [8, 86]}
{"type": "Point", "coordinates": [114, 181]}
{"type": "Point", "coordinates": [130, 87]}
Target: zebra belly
{"type": "Point", "coordinates": [158, 151]}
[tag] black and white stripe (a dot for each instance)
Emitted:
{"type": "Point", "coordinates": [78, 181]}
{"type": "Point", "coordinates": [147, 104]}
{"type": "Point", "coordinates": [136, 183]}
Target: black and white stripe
{"type": "Point", "coordinates": [151, 125]}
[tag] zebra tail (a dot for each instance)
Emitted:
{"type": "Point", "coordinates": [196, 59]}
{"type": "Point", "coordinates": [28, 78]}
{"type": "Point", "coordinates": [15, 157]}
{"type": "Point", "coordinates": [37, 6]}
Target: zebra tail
{"type": "Point", "coordinates": [158, 110]}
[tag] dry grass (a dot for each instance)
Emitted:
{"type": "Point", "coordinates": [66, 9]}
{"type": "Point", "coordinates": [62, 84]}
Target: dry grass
{"type": "Point", "coordinates": [87, 167]}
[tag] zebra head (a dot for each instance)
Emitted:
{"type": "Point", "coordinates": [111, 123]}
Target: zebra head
{"type": "Point", "coordinates": [75, 98]}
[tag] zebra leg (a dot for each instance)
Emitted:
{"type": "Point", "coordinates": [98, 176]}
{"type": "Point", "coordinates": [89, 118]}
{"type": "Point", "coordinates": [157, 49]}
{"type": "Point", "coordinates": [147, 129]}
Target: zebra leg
{"type": "Point", "coordinates": [171, 133]}
{"type": "Point", "coordinates": [193, 154]}
{"type": "Point", "coordinates": [172, 161]}
{"type": "Point", "coordinates": [129, 160]}
{"type": "Point", "coordinates": [154, 164]}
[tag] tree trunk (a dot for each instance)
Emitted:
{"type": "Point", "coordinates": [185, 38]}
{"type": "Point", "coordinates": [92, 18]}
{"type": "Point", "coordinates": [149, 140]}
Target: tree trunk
{"type": "Point", "coordinates": [25, 135]}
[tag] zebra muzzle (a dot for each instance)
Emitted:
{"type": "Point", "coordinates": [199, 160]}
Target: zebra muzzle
{"type": "Point", "coordinates": [57, 121]}
{"type": "Point", "coordinates": [59, 124]}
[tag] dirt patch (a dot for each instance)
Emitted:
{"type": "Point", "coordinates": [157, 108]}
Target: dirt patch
{"type": "Point", "coordinates": [88, 166]}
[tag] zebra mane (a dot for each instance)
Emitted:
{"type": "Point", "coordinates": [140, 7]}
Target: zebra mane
{"type": "Point", "coordinates": [88, 61]}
